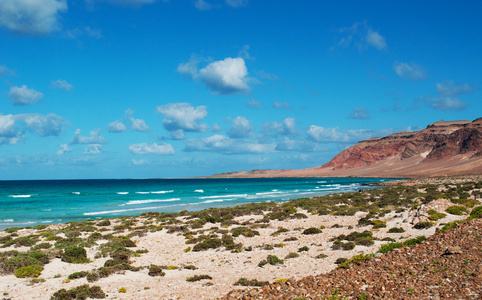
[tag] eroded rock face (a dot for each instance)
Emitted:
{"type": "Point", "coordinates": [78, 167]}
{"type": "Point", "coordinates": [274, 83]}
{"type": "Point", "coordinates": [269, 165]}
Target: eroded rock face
{"type": "Point", "coordinates": [439, 140]}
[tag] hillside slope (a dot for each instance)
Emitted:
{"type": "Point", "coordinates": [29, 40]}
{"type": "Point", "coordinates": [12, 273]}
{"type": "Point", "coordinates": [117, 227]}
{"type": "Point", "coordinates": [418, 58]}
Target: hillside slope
{"type": "Point", "coordinates": [443, 148]}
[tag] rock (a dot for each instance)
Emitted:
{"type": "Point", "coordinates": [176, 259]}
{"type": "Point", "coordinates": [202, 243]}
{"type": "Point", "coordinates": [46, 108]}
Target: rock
{"type": "Point", "coordinates": [452, 250]}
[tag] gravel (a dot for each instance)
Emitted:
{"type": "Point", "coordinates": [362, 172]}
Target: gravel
{"type": "Point", "coordinates": [445, 266]}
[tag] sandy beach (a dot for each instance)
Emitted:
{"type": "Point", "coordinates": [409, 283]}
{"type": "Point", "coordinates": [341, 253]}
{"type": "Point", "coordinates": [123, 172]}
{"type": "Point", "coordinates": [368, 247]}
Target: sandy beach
{"type": "Point", "coordinates": [164, 245]}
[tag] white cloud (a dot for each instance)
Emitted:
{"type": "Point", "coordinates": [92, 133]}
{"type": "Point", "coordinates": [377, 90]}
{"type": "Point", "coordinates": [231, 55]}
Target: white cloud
{"type": "Point", "coordinates": [94, 138]}
{"type": "Point", "coordinates": [254, 104]}
{"type": "Point", "coordinates": [116, 127]}
{"type": "Point", "coordinates": [287, 127]}
{"type": "Point", "coordinates": [287, 144]}
{"type": "Point", "coordinates": [410, 71]}
{"type": "Point", "coordinates": [4, 71]}
{"type": "Point", "coordinates": [225, 145]}
{"type": "Point", "coordinates": [64, 149]}
{"type": "Point", "coordinates": [362, 36]}
{"type": "Point", "coordinates": [448, 96]}
{"type": "Point", "coordinates": [24, 96]}
{"type": "Point", "coordinates": [136, 124]}
{"type": "Point", "coordinates": [244, 52]}
{"type": "Point", "coordinates": [281, 105]}
{"type": "Point", "coordinates": [139, 162]}
{"type": "Point", "coordinates": [177, 134]}
{"type": "Point", "coordinates": [154, 148]}
{"type": "Point", "coordinates": [131, 2]}
{"type": "Point", "coordinates": [202, 5]}
{"type": "Point", "coordinates": [35, 17]}
{"type": "Point", "coordinates": [216, 128]}
{"type": "Point", "coordinates": [226, 76]}
{"type": "Point", "coordinates": [359, 113]}
{"type": "Point", "coordinates": [240, 128]}
{"type": "Point", "coordinates": [189, 69]}
{"type": "Point", "coordinates": [14, 127]}
{"type": "Point", "coordinates": [237, 3]}
{"type": "Point", "coordinates": [93, 149]}
{"type": "Point", "coordinates": [62, 84]}
{"type": "Point", "coordinates": [183, 116]}
{"type": "Point", "coordinates": [92, 32]}
{"type": "Point", "coordinates": [376, 40]}
{"type": "Point", "coordinates": [49, 125]}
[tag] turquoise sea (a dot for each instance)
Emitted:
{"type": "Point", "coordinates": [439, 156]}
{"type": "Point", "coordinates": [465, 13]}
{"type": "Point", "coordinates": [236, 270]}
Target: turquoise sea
{"type": "Point", "coordinates": [33, 202]}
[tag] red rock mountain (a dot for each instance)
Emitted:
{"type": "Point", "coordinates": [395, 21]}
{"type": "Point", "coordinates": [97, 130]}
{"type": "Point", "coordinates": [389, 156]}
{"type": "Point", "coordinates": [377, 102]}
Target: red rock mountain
{"type": "Point", "coordinates": [443, 148]}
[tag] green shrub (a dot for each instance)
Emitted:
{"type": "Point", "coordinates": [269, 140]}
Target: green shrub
{"type": "Point", "coordinates": [292, 255]}
{"type": "Point", "coordinates": [457, 210]}
{"type": "Point", "coordinates": [253, 282]}
{"type": "Point", "coordinates": [340, 260]}
{"type": "Point", "coordinates": [105, 222]}
{"type": "Point", "coordinates": [210, 243]}
{"type": "Point", "coordinates": [396, 230]}
{"type": "Point", "coordinates": [391, 246]}
{"type": "Point", "coordinates": [312, 230]}
{"type": "Point", "coordinates": [348, 246]}
{"type": "Point", "coordinates": [435, 215]}
{"type": "Point", "coordinates": [75, 255]}
{"type": "Point", "coordinates": [273, 260]}
{"type": "Point", "coordinates": [378, 224]}
{"type": "Point", "coordinates": [198, 277]}
{"type": "Point", "coordinates": [23, 259]}
{"type": "Point", "coordinates": [79, 293]}
{"type": "Point", "coordinates": [78, 275]}
{"type": "Point", "coordinates": [42, 246]}
{"type": "Point", "coordinates": [247, 232]}
{"type": "Point", "coordinates": [290, 239]}
{"type": "Point", "coordinates": [424, 225]}
{"type": "Point", "coordinates": [280, 230]}
{"type": "Point", "coordinates": [29, 271]}
{"type": "Point", "coordinates": [476, 213]}
{"type": "Point", "coordinates": [303, 249]}
{"type": "Point", "coordinates": [355, 259]}
{"type": "Point", "coordinates": [321, 256]}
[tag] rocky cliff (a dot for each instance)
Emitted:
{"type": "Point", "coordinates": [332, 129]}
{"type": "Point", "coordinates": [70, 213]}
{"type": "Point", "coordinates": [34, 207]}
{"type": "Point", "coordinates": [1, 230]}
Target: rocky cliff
{"type": "Point", "coordinates": [443, 148]}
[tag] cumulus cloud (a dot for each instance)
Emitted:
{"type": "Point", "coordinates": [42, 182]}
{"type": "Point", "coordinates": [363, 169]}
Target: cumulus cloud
{"type": "Point", "coordinates": [226, 76]}
{"type": "Point", "coordinates": [24, 96]}
{"type": "Point", "coordinates": [183, 116]}
{"type": "Point", "coordinates": [374, 39]}
{"type": "Point", "coordinates": [359, 113]}
{"type": "Point", "coordinates": [225, 145]}
{"type": "Point", "coordinates": [240, 128]}
{"type": "Point", "coordinates": [287, 144]}
{"type": "Point", "coordinates": [133, 123]}
{"type": "Point", "coordinates": [216, 128]}
{"type": "Point", "coordinates": [93, 149]}
{"type": "Point", "coordinates": [281, 105]}
{"type": "Point", "coordinates": [177, 134]}
{"type": "Point", "coordinates": [64, 149]}
{"type": "Point", "coordinates": [93, 138]}
{"type": "Point", "coordinates": [237, 3]}
{"type": "Point", "coordinates": [62, 84]}
{"type": "Point", "coordinates": [14, 127]}
{"type": "Point", "coordinates": [362, 36]}
{"type": "Point", "coordinates": [4, 71]}
{"type": "Point", "coordinates": [32, 17]}
{"type": "Point", "coordinates": [410, 71]}
{"type": "Point", "coordinates": [202, 5]}
{"type": "Point", "coordinates": [336, 135]}
{"type": "Point", "coordinates": [287, 127]}
{"type": "Point", "coordinates": [448, 96]}
{"type": "Point", "coordinates": [253, 104]}
{"type": "Point", "coordinates": [116, 127]}
{"type": "Point", "coordinates": [154, 148]}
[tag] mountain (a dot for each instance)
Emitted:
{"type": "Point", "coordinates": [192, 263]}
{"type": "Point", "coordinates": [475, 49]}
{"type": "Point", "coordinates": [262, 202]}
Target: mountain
{"type": "Point", "coordinates": [443, 148]}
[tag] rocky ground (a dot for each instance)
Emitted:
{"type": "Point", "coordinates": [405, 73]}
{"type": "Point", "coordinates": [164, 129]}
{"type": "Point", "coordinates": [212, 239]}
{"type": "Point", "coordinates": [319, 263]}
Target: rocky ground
{"type": "Point", "coordinates": [445, 266]}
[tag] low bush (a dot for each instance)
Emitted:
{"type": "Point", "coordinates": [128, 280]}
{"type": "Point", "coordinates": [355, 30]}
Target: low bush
{"type": "Point", "coordinates": [274, 260]}
{"type": "Point", "coordinates": [396, 230]}
{"type": "Point", "coordinates": [476, 213]}
{"type": "Point", "coordinates": [378, 224]}
{"type": "Point", "coordinates": [424, 225]}
{"type": "Point", "coordinates": [245, 231]}
{"type": "Point", "coordinates": [29, 271]}
{"type": "Point", "coordinates": [79, 293]}
{"type": "Point", "coordinates": [290, 239]}
{"type": "Point", "coordinates": [312, 230]}
{"type": "Point", "coordinates": [457, 210]}
{"type": "Point", "coordinates": [198, 277]}
{"type": "Point", "coordinates": [210, 243]}
{"type": "Point", "coordinates": [78, 275]}
{"type": "Point", "coordinates": [253, 282]}
{"type": "Point", "coordinates": [292, 255]}
{"type": "Point", "coordinates": [354, 260]}
{"type": "Point", "coordinates": [391, 246]}
{"type": "Point", "coordinates": [303, 249]}
{"type": "Point", "coordinates": [75, 255]}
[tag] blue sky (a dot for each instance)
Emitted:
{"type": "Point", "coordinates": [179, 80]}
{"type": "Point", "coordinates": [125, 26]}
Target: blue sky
{"type": "Point", "coordinates": [152, 88]}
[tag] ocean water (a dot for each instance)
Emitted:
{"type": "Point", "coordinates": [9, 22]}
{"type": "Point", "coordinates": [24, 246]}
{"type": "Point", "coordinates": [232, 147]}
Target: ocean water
{"type": "Point", "coordinates": [33, 202]}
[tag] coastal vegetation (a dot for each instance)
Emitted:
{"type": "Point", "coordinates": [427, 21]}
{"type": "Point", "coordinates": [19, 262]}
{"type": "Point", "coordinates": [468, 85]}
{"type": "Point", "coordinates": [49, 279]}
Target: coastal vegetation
{"type": "Point", "coordinates": [229, 229]}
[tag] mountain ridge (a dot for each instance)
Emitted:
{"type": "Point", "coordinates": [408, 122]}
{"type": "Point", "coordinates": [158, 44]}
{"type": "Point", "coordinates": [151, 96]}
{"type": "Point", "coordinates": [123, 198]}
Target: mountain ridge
{"type": "Point", "coordinates": [442, 148]}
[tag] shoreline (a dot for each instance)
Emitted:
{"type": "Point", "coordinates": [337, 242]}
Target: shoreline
{"type": "Point", "coordinates": [266, 229]}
